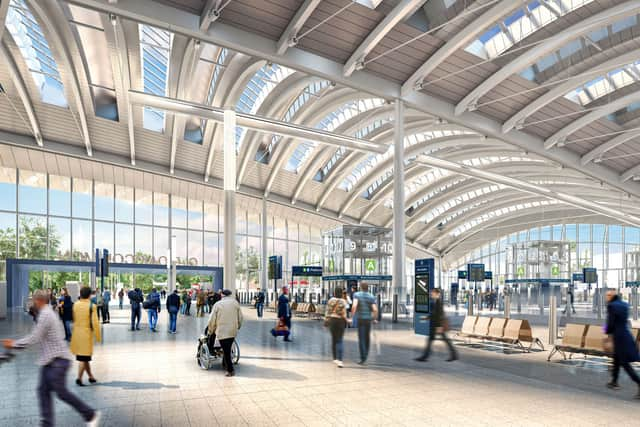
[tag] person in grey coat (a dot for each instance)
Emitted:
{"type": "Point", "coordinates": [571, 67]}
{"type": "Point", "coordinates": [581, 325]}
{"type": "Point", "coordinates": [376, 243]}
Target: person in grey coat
{"type": "Point", "coordinates": [224, 323]}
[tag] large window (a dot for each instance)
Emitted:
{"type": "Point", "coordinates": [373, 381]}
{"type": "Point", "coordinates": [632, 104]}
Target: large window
{"type": "Point", "coordinates": [32, 195]}
{"type": "Point", "coordinates": [7, 189]}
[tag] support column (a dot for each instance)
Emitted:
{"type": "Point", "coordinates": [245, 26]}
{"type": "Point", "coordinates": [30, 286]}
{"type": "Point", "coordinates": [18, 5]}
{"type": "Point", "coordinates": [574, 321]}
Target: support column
{"type": "Point", "coordinates": [264, 277]}
{"type": "Point", "coordinates": [398, 209]}
{"type": "Point", "coordinates": [229, 146]}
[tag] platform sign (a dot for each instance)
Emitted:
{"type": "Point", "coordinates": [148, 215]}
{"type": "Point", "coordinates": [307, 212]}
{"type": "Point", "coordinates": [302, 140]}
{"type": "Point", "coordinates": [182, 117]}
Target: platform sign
{"type": "Point", "coordinates": [475, 272]}
{"type": "Point", "coordinates": [306, 271]}
{"type": "Point", "coordinates": [423, 283]}
{"type": "Point", "coordinates": [590, 275]}
{"type": "Point", "coordinates": [370, 265]}
{"type": "Point", "coordinates": [275, 267]}
{"type": "Point", "coordinates": [488, 275]}
{"type": "Point", "coordinates": [577, 277]}
{"type": "Point", "coordinates": [462, 274]}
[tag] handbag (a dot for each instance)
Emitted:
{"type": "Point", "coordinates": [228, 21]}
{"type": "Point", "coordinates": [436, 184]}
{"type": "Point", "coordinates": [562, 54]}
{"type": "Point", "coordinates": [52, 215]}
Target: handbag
{"type": "Point", "coordinates": [607, 344]}
{"type": "Point", "coordinates": [146, 304]}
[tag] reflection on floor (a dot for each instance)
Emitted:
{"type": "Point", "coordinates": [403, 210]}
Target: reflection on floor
{"type": "Point", "coordinates": [148, 379]}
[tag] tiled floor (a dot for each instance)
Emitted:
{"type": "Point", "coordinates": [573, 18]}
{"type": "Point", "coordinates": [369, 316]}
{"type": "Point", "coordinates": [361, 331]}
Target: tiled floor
{"type": "Point", "coordinates": [148, 379]}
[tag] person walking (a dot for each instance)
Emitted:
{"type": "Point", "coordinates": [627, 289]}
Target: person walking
{"type": "Point", "coordinates": [336, 321]}
{"type": "Point", "coordinates": [260, 304]}
{"type": "Point", "coordinates": [625, 350]}
{"type": "Point", "coordinates": [85, 329]}
{"type": "Point", "coordinates": [189, 298]}
{"type": "Point", "coordinates": [173, 306]}
{"type": "Point", "coordinates": [437, 326]}
{"type": "Point", "coordinates": [152, 305]}
{"type": "Point", "coordinates": [135, 299]}
{"type": "Point", "coordinates": [284, 311]}
{"type": "Point", "coordinates": [106, 299]}
{"type": "Point", "coordinates": [365, 311]}
{"type": "Point", "coordinates": [65, 308]}
{"type": "Point", "coordinates": [200, 302]}
{"type": "Point", "coordinates": [224, 323]}
{"type": "Point", "coordinates": [121, 298]}
{"type": "Point", "coordinates": [183, 307]}
{"type": "Point", "coordinates": [54, 362]}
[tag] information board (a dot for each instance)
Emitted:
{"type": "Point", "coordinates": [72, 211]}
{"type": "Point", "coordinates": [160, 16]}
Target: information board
{"type": "Point", "coordinates": [590, 275]}
{"type": "Point", "coordinates": [488, 275]}
{"type": "Point", "coordinates": [275, 267]}
{"type": "Point", "coordinates": [475, 272]}
{"type": "Point", "coordinates": [423, 283]}
{"type": "Point", "coordinates": [306, 271]}
{"type": "Point", "coordinates": [462, 274]}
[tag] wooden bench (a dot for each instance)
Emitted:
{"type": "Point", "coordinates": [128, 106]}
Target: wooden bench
{"type": "Point", "coordinates": [581, 339]}
{"type": "Point", "coordinates": [305, 309]}
{"type": "Point", "coordinates": [500, 329]}
{"type": "Point", "coordinates": [517, 332]}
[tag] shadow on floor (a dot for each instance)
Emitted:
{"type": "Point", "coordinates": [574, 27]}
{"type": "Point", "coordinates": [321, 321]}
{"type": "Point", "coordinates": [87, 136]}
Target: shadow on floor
{"type": "Point", "coordinates": [253, 371]}
{"type": "Point", "coordinates": [131, 385]}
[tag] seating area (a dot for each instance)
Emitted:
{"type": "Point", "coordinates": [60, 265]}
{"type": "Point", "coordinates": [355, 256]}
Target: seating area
{"type": "Point", "coordinates": [585, 339]}
{"type": "Point", "coordinates": [303, 309]}
{"type": "Point", "coordinates": [514, 332]}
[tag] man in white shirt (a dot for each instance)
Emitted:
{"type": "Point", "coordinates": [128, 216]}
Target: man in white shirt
{"type": "Point", "coordinates": [54, 361]}
{"type": "Point", "coordinates": [224, 323]}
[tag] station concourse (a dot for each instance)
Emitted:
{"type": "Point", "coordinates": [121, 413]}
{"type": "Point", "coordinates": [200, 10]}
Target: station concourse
{"type": "Point", "coordinates": [310, 189]}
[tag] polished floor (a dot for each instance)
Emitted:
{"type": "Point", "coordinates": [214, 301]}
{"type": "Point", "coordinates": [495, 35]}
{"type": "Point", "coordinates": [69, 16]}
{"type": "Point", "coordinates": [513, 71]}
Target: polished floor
{"type": "Point", "coordinates": [151, 379]}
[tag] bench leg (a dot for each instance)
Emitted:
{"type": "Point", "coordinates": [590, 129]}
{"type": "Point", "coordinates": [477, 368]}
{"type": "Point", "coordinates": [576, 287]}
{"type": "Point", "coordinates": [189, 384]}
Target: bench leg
{"type": "Point", "coordinates": [538, 342]}
{"type": "Point", "coordinates": [554, 350]}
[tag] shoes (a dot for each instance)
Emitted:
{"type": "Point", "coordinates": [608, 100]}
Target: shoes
{"type": "Point", "coordinates": [93, 380]}
{"type": "Point", "coordinates": [340, 364]}
{"type": "Point", "coordinates": [137, 328]}
{"type": "Point", "coordinates": [613, 386]}
{"type": "Point", "coordinates": [362, 362]}
{"type": "Point", "coordinates": [452, 359]}
{"type": "Point", "coordinates": [420, 359]}
{"type": "Point", "coordinates": [287, 340]}
{"type": "Point", "coordinates": [133, 329]}
{"type": "Point", "coordinates": [95, 421]}
{"type": "Point", "coordinates": [230, 374]}
{"type": "Point", "coordinates": [79, 382]}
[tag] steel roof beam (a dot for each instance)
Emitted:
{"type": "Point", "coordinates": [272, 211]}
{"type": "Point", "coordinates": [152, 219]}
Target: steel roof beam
{"type": "Point", "coordinates": [595, 155]}
{"type": "Point", "coordinates": [460, 40]}
{"type": "Point", "coordinates": [562, 89]}
{"type": "Point", "coordinates": [530, 188]}
{"type": "Point", "coordinates": [401, 11]}
{"type": "Point", "coordinates": [289, 37]}
{"type": "Point", "coordinates": [560, 137]}
{"type": "Point", "coordinates": [550, 45]}
{"type": "Point", "coordinates": [22, 91]}
{"type": "Point", "coordinates": [250, 121]}
{"type": "Point", "coordinates": [4, 9]}
{"type": "Point", "coordinates": [210, 14]}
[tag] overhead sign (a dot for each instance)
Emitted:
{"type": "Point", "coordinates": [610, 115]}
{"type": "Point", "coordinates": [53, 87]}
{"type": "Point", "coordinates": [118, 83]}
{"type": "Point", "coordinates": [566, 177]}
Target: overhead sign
{"type": "Point", "coordinates": [365, 277]}
{"type": "Point", "coordinates": [555, 270]}
{"type": "Point", "coordinates": [488, 275]}
{"type": "Point", "coordinates": [475, 272]}
{"type": "Point", "coordinates": [370, 265]}
{"type": "Point", "coordinates": [306, 271]}
{"type": "Point", "coordinates": [577, 277]}
{"type": "Point", "coordinates": [520, 271]}
{"type": "Point", "coordinates": [462, 274]}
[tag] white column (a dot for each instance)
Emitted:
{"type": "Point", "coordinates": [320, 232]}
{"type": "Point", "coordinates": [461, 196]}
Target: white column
{"type": "Point", "coordinates": [264, 279]}
{"type": "Point", "coordinates": [229, 146]}
{"type": "Point", "coordinates": [399, 289]}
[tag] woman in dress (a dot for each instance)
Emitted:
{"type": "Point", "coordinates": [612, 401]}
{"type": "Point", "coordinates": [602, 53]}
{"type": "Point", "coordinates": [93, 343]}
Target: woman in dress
{"type": "Point", "coordinates": [336, 321]}
{"type": "Point", "coordinates": [85, 329]}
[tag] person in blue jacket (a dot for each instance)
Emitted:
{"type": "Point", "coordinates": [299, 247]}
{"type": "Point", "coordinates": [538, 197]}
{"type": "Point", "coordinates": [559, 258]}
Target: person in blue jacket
{"type": "Point", "coordinates": [284, 310]}
{"type": "Point", "coordinates": [625, 350]}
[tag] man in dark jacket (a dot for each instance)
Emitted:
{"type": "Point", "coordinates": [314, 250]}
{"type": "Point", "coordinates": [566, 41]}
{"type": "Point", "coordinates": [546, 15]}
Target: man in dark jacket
{"type": "Point", "coordinates": [284, 310]}
{"type": "Point", "coordinates": [437, 327]}
{"type": "Point", "coordinates": [135, 298]}
{"type": "Point", "coordinates": [260, 303]}
{"type": "Point", "coordinates": [625, 350]}
{"type": "Point", "coordinates": [65, 307]}
{"type": "Point", "coordinates": [173, 306]}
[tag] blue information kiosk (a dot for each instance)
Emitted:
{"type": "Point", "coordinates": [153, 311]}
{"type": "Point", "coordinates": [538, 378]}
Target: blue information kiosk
{"type": "Point", "coordinates": [423, 283]}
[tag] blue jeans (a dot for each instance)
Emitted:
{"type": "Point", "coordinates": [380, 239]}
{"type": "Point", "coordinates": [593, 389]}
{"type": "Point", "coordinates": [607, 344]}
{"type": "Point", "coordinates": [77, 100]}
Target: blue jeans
{"type": "Point", "coordinates": [364, 338]}
{"type": "Point", "coordinates": [153, 318]}
{"type": "Point", "coordinates": [260, 308]}
{"type": "Point", "coordinates": [173, 318]}
{"type": "Point", "coordinates": [53, 380]}
{"type": "Point", "coordinates": [336, 327]}
{"type": "Point", "coordinates": [135, 316]}
{"type": "Point", "coordinates": [67, 329]}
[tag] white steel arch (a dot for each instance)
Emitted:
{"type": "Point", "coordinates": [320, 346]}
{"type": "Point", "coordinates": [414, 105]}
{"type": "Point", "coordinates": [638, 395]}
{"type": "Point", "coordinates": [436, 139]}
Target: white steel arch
{"type": "Point", "coordinates": [550, 45]}
{"type": "Point", "coordinates": [289, 37]}
{"type": "Point", "coordinates": [596, 153]}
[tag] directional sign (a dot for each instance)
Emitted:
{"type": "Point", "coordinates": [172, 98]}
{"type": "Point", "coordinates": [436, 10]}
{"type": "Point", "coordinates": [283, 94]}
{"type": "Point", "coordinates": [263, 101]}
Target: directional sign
{"type": "Point", "coordinates": [555, 270]}
{"type": "Point", "coordinates": [370, 265]}
{"type": "Point", "coordinates": [306, 271]}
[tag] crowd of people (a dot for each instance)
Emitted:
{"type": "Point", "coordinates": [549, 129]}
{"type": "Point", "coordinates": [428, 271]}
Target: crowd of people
{"type": "Point", "coordinates": [60, 318]}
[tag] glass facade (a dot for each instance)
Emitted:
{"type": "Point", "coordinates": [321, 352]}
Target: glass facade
{"type": "Point", "coordinates": [591, 245]}
{"type": "Point", "coordinates": [59, 218]}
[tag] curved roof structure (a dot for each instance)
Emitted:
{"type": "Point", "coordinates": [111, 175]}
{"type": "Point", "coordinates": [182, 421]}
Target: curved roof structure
{"type": "Point", "coordinates": [544, 92]}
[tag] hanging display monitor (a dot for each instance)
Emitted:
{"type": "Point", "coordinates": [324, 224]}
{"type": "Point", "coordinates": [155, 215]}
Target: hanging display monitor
{"type": "Point", "coordinates": [462, 274]}
{"type": "Point", "coordinates": [590, 275]}
{"type": "Point", "coordinates": [488, 275]}
{"type": "Point", "coordinates": [475, 272]}
{"type": "Point", "coordinates": [275, 267]}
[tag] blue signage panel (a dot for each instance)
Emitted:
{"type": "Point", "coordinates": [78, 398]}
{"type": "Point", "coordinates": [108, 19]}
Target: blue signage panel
{"type": "Point", "coordinates": [374, 277]}
{"type": "Point", "coordinates": [306, 271]}
{"type": "Point", "coordinates": [537, 281]}
{"type": "Point", "coordinates": [488, 275]}
{"type": "Point", "coordinates": [577, 277]}
{"type": "Point", "coordinates": [423, 283]}
{"type": "Point", "coordinates": [475, 272]}
{"type": "Point", "coordinates": [462, 274]}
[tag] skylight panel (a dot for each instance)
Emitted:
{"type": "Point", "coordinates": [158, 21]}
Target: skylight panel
{"type": "Point", "coordinates": [155, 50]}
{"type": "Point", "coordinates": [36, 52]}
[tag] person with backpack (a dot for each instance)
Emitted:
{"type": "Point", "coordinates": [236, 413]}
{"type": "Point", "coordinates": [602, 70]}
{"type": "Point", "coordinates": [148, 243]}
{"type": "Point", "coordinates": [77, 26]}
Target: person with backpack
{"type": "Point", "coordinates": [86, 327]}
{"type": "Point", "coordinates": [173, 306]}
{"type": "Point", "coordinates": [152, 305]}
{"type": "Point", "coordinates": [135, 299]}
{"type": "Point", "coordinates": [365, 312]}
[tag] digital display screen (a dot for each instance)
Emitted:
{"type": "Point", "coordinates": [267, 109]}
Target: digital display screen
{"type": "Point", "coordinates": [590, 275]}
{"type": "Point", "coordinates": [476, 273]}
{"type": "Point", "coordinates": [421, 293]}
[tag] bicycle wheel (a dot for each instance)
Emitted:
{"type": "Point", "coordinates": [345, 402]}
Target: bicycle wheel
{"type": "Point", "coordinates": [235, 353]}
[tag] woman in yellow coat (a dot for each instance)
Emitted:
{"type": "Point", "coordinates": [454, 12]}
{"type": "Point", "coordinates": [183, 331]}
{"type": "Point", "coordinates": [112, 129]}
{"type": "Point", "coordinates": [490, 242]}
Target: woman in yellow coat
{"type": "Point", "coordinates": [85, 328]}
